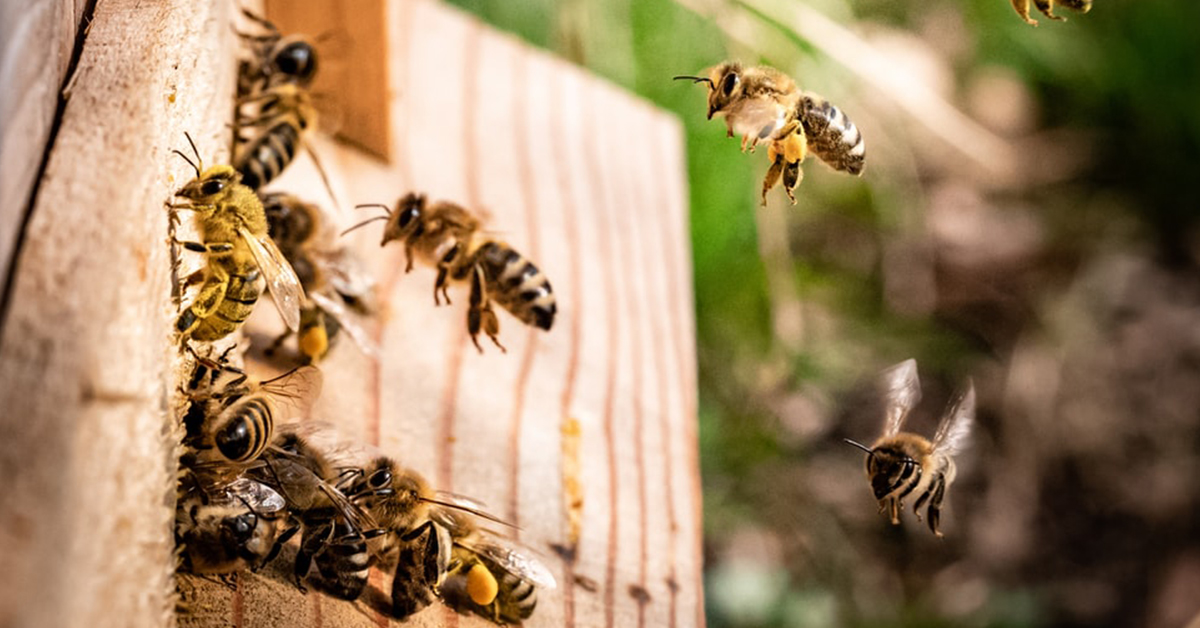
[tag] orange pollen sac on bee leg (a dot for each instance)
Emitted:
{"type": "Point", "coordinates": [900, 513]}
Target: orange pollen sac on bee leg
{"type": "Point", "coordinates": [481, 585]}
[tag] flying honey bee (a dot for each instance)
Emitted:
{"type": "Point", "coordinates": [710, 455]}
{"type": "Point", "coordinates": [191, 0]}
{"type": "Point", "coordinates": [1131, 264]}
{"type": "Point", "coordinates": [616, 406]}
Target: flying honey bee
{"type": "Point", "coordinates": [235, 528]}
{"type": "Point", "coordinates": [763, 104]}
{"type": "Point", "coordinates": [339, 291]}
{"type": "Point", "coordinates": [448, 237]}
{"type": "Point", "coordinates": [234, 422]}
{"type": "Point", "coordinates": [903, 463]}
{"type": "Point", "coordinates": [492, 577]}
{"type": "Point", "coordinates": [234, 239]}
{"type": "Point", "coordinates": [1047, 8]}
{"type": "Point", "coordinates": [275, 58]}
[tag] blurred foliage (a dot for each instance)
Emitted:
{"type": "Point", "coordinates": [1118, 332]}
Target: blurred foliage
{"type": "Point", "coordinates": [1066, 288]}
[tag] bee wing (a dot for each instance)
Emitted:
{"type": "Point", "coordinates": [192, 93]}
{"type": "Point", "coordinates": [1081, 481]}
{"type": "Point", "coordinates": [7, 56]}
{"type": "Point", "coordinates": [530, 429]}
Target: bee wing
{"type": "Point", "coordinates": [294, 391]}
{"type": "Point", "coordinates": [955, 427]}
{"type": "Point", "coordinates": [282, 281]}
{"type": "Point", "coordinates": [346, 276]}
{"type": "Point", "coordinates": [511, 556]}
{"type": "Point", "coordinates": [258, 496]}
{"type": "Point", "coordinates": [334, 308]}
{"type": "Point", "coordinates": [339, 449]}
{"type": "Point", "coordinates": [902, 392]}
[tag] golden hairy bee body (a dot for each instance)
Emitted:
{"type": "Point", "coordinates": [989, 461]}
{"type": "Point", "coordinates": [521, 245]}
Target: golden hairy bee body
{"type": "Point", "coordinates": [1047, 8]}
{"type": "Point", "coordinates": [450, 238]}
{"type": "Point", "coordinates": [900, 464]}
{"type": "Point", "coordinates": [762, 104]}
{"type": "Point", "coordinates": [238, 251]}
{"type": "Point", "coordinates": [489, 576]}
{"type": "Point", "coordinates": [236, 527]}
{"type": "Point", "coordinates": [340, 293]}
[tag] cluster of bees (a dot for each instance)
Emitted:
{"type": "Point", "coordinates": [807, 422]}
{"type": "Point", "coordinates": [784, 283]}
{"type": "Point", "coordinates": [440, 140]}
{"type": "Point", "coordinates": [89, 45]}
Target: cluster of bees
{"type": "Point", "coordinates": [249, 485]}
{"type": "Point", "coordinates": [251, 480]}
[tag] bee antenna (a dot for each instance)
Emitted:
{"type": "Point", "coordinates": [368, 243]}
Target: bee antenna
{"type": "Point", "coordinates": [474, 511]}
{"type": "Point", "coordinates": [860, 446]}
{"type": "Point", "coordinates": [365, 222]}
{"type": "Point", "coordinates": [695, 79]}
{"type": "Point", "coordinates": [199, 162]}
{"type": "Point", "coordinates": [189, 161]}
{"type": "Point", "coordinates": [385, 208]}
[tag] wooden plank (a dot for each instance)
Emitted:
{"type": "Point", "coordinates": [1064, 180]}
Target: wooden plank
{"type": "Point", "coordinates": [88, 456]}
{"type": "Point", "coordinates": [487, 121]}
{"type": "Point", "coordinates": [36, 43]}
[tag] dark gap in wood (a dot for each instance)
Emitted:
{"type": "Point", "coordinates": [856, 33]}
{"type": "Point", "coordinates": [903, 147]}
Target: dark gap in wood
{"type": "Point", "coordinates": [81, 33]}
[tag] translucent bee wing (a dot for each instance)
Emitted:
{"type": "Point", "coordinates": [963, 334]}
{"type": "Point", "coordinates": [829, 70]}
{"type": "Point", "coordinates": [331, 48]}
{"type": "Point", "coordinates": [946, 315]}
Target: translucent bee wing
{"type": "Point", "coordinates": [295, 391]}
{"type": "Point", "coordinates": [341, 451]}
{"type": "Point", "coordinates": [345, 319]}
{"type": "Point", "coordinates": [282, 281]}
{"type": "Point", "coordinates": [955, 427]}
{"type": "Point", "coordinates": [512, 557]}
{"type": "Point", "coordinates": [902, 392]}
{"type": "Point", "coordinates": [258, 496]}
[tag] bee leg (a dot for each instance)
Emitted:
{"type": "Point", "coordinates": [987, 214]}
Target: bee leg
{"type": "Point", "coordinates": [408, 257]}
{"type": "Point", "coordinates": [211, 295]}
{"type": "Point", "coordinates": [278, 342]}
{"type": "Point", "coordinates": [1047, 8]}
{"type": "Point", "coordinates": [311, 543]}
{"type": "Point", "coordinates": [772, 178]}
{"type": "Point", "coordinates": [935, 505]}
{"type": "Point", "coordinates": [440, 285]}
{"type": "Point", "coordinates": [1022, 7]}
{"type": "Point", "coordinates": [419, 569]}
{"type": "Point", "coordinates": [895, 511]}
{"type": "Point", "coordinates": [480, 315]}
{"type": "Point", "coordinates": [792, 175]}
{"type": "Point", "coordinates": [280, 541]}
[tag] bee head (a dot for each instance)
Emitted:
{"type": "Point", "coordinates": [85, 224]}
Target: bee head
{"type": "Point", "coordinates": [209, 184]}
{"type": "Point", "coordinates": [723, 82]}
{"type": "Point", "coordinates": [888, 469]}
{"type": "Point", "coordinates": [406, 218]}
{"type": "Point", "coordinates": [297, 60]}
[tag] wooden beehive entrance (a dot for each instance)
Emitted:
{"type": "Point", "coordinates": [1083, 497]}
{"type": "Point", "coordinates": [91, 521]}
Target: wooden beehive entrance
{"type": "Point", "coordinates": [583, 436]}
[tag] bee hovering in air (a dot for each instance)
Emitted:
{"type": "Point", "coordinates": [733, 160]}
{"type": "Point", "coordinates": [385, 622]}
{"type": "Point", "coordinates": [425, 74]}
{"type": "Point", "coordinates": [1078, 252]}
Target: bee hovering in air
{"type": "Point", "coordinates": [234, 239]}
{"type": "Point", "coordinates": [236, 527]}
{"type": "Point", "coordinates": [339, 291]}
{"type": "Point", "coordinates": [492, 577]}
{"type": "Point", "coordinates": [449, 238]}
{"type": "Point", "coordinates": [1047, 8]}
{"type": "Point", "coordinates": [762, 104]}
{"type": "Point", "coordinates": [903, 463]}
{"type": "Point", "coordinates": [232, 423]}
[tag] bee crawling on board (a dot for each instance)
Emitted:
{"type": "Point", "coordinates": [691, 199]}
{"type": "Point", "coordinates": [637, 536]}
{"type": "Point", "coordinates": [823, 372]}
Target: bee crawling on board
{"type": "Point", "coordinates": [762, 104]}
{"type": "Point", "coordinates": [1047, 8]}
{"type": "Point", "coordinates": [903, 463]}
{"type": "Point", "coordinates": [238, 526]}
{"type": "Point", "coordinates": [448, 237]}
{"type": "Point", "coordinates": [339, 290]}
{"type": "Point", "coordinates": [238, 252]}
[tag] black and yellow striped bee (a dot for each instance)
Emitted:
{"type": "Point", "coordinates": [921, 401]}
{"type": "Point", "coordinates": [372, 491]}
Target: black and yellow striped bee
{"type": "Point", "coordinates": [1047, 8]}
{"type": "Point", "coordinates": [762, 104]}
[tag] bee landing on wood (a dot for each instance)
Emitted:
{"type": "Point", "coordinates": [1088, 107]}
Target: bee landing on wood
{"type": "Point", "coordinates": [238, 251]}
{"type": "Point", "coordinates": [1047, 8]}
{"type": "Point", "coordinates": [900, 464]}
{"type": "Point", "coordinates": [764, 104]}
{"type": "Point", "coordinates": [448, 237]}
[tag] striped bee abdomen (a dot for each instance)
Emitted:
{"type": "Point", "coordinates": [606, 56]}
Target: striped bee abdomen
{"type": "Point", "coordinates": [517, 285]}
{"type": "Point", "coordinates": [264, 157]}
{"type": "Point", "coordinates": [831, 135]}
{"type": "Point", "coordinates": [245, 429]}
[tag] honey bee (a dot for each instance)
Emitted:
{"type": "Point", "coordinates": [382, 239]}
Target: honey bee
{"type": "Point", "coordinates": [448, 237]}
{"type": "Point", "coordinates": [339, 290]}
{"type": "Point", "coordinates": [233, 230]}
{"type": "Point", "coordinates": [492, 577]}
{"type": "Point", "coordinates": [237, 527]}
{"type": "Point", "coordinates": [903, 463]}
{"type": "Point", "coordinates": [336, 528]}
{"type": "Point", "coordinates": [1047, 8]}
{"type": "Point", "coordinates": [234, 423]}
{"type": "Point", "coordinates": [763, 104]}
{"type": "Point", "coordinates": [275, 58]}
{"type": "Point", "coordinates": [284, 115]}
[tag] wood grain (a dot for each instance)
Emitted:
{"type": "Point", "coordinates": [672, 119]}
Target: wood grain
{"type": "Point", "coordinates": [87, 453]}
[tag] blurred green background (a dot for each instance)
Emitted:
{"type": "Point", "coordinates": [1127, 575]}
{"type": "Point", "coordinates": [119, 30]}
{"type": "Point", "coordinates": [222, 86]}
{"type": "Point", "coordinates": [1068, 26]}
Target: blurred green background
{"type": "Point", "coordinates": [1027, 219]}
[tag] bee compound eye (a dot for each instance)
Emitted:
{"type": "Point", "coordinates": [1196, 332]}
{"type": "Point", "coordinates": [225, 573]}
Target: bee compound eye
{"type": "Point", "coordinates": [297, 59]}
{"type": "Point", "coordinates": [242, 526]}
{"type": "Point", "coordinates": [408, 215]}
{"type": "Point", "coordinates": [380, 478]}
{"type": "Point", "coordinates": [211, 187]}
{"type": "Point", "coordinates": [728, 83]}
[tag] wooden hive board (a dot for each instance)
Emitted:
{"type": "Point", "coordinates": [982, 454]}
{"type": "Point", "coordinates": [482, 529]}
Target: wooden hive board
{"type": "Point", "coordinates": [583, 179]}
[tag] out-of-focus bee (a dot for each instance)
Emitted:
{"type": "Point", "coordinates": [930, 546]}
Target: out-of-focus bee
{"type": "Point", "coordinates": [903, 463]}
{"type": "Point", "coordinates": [339, 291]}
{"type": "Point", "coordinates": [335, 527]}
{"type": "Point", "coordinates": [275, 58]}
{"type": "Point", "coordinates": [1047, 8]}
{"type": "Point", "coordinates": [489, 576]}
{"type": "Point", "coordinates": [233, 423]}
{"type": "Point", "coordinates": [448, 237]}
{"type": "Point", "coordinates": [237, 527]}
{"type": "Point", "coordinates": [269, 139]}
{"type": "Point", "coordinates": [233, 231]}
{"type": "Point", "coordinates": [763, 104]}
